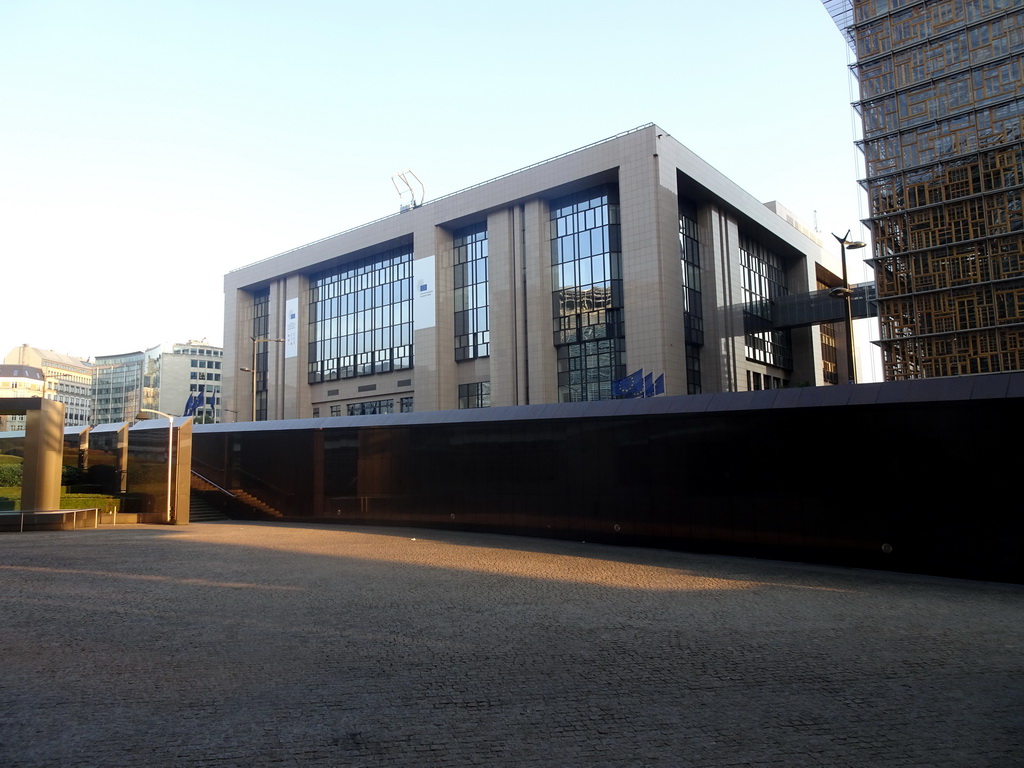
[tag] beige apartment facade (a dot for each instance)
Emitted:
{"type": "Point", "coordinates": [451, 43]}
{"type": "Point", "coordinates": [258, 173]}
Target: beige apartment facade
{"type": "Point", "coordinates": [68, 379]}
{"type": "Point", "coordinates": [554, 283]}
{"type": "Point", "coordinates": [20, 381]}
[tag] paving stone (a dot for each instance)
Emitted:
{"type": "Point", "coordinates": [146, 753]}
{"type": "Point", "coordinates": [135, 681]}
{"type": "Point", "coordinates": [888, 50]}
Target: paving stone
{"type": "Point", "coordinates": [246, 644]}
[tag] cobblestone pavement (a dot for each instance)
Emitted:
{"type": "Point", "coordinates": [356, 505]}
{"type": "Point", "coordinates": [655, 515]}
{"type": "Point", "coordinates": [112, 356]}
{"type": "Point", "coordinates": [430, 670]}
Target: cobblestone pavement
{"type": "Point", "coordinates": [241, 644]}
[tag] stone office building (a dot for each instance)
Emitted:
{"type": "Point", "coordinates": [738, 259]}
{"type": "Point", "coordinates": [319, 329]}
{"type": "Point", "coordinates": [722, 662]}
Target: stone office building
{"type": "Point", "coordinates": [545, 285]}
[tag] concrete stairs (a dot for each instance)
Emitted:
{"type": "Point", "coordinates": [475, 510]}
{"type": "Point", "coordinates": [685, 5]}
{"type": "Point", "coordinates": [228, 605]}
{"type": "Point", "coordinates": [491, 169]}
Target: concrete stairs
{"type": "Point", "coordinates": [251, 501]}
{"type": "Point", "coordinates": [202, 511]}
{"type": "Point", "coordinates": [201, 484]}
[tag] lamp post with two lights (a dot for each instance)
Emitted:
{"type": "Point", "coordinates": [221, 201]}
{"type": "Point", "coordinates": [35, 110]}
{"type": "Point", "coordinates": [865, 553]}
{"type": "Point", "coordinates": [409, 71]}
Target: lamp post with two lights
{"type": "Point", "coordinates": [252, 371]}
{"type": "Point", "coordinates": [845, 293]}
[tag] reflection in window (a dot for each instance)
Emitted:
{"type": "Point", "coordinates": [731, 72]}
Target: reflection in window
{"type": "Point", "coordinates": [764, 280]}
{"type": "Point", "coordinates": [380, 406]}
{"type": "Point", "coordinates": [360, 317]}
{"type": "Point", "coordinates": [829, 356]}
{"type": "Point", "coordinates": [693, 310]}
{"type": "Point", "coordinates": [475, 395]}
{"type": "Point", "coordinates": [757, 381]}
{"type": "Point", "coordinates": [260, 328]}
{"type": "Point", "coordinates": [586, 277]}
{"type": "Point", "coordinates": [472, 321]}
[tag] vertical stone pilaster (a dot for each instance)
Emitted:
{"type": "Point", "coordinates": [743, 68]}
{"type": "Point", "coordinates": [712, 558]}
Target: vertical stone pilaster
{"type": "Point", "coordinates": [652, 283]}
{"type": "Point", "coordinates": [538, 367]}
{"type": "Point", "coordinates": [44, 451]}
{"type": "Point", "coordinates": [446, 386]}
{"type": "Point", "coordinates": [236, 385]}
{"type": "Point", "coordinates": [505, 296]}
{"type": "Point", "coordinates": [432, 371]}
{"type": "Point", "coordinates": [293, 398]}
{"type": "Point", "coordinates": [723, 308]}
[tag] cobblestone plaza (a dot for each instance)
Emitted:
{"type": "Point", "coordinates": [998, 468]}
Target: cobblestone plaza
{"type": "Point", "coordinates": [245, 644]}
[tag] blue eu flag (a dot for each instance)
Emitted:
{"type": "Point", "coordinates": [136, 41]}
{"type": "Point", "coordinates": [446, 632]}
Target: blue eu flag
{"type": "Point", "coordinates": [195, 401]}
{"type": "Point", "coordinates": [654, 386]}
{"type": "Point", "coordinates": [630, 386]}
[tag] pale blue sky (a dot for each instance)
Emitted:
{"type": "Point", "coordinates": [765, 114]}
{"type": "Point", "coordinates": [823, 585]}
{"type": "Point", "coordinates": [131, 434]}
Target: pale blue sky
{"type": "Point", "coordinates": [150, 147]}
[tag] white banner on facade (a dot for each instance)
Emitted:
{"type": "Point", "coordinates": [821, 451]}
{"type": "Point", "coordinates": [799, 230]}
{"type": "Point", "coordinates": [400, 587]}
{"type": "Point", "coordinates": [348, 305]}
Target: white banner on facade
{"type": "Point", "coordinates": [291, 328]}
{"type": "Point", "coordinates": [423, 293]}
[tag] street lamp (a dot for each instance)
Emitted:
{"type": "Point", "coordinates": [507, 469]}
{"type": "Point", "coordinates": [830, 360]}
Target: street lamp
{"type": "Point", "coordinates": [252, 370]}
{"type": "Point", "coordinates": [845, 292]}
{"type": "Point", "coordinates": [170, 452]}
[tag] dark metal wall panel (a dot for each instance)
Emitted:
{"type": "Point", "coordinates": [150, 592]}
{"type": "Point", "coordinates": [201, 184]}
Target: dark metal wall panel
{"type": "Point", "coordinates": [908, 477]}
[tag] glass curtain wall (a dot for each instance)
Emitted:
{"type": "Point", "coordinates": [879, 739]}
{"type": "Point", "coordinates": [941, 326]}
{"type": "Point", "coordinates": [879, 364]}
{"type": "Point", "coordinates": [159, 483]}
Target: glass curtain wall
{"type": "Point", "coordinates": [472, 320]}
{"type": "Point", "coordinates": [117, 388]}
{"type": "Point", "coordinates": [764, 280]}
{"type": "Point", "coordinates": [260, 328]}
{"type": "Point", "coordinates": [693, 309]}
{"type": "Point", "coordinates": [586, 276]}
{"type": "Point", "coordinates": [151, 379]}
{"type": "Point", "coordinates": [361, 317]}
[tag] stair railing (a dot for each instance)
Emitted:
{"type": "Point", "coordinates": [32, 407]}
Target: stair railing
{"type": "Point", "coordinates": [225, 491]}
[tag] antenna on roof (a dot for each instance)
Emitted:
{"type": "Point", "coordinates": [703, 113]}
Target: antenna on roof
{"type": "Point", "coordinates": [406, 191]}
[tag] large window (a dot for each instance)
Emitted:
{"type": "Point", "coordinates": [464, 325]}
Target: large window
{"type": "Point", "coordinates": [472, 321]}
{"type": "Point", "coordinates": [693, 309]}
{"type": "Point", "coordinates": [475, 395]}
{"type": "Point", "coordinates": [260, 329]}
{"type": "Point", "coordinates": [586, 276]}
{"type": "Point", "coordinates": [360, 317]}
{"type": "Point", "coordinates": [379, 406]}
{"type": "Point", "coordinates": [764, 280]}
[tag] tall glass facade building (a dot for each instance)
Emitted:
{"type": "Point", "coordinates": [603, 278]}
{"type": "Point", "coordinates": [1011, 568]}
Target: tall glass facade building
{"type": "Point", "coordinates": [118, 392]}
{"type": "Point", "coordinates": [547, 285]}
{"type": "Point", "coordinates": [586, 281]}
{"type": "Point", "coordinates": [168, 378]}
{"type": "Point", "coordinates": [942, 103]}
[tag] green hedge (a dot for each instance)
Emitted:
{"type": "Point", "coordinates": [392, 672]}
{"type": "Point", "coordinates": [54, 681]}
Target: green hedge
{"type": "Point", "coordinates": [10, 474]}
{"type": "Point", "coordinates": [88, 500]}
{"type": "Point", "coordinates": [12, 499]}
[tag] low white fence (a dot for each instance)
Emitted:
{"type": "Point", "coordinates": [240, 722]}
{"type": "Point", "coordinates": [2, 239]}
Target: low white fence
{"type": "Point", "coordinates": [36, 516]}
